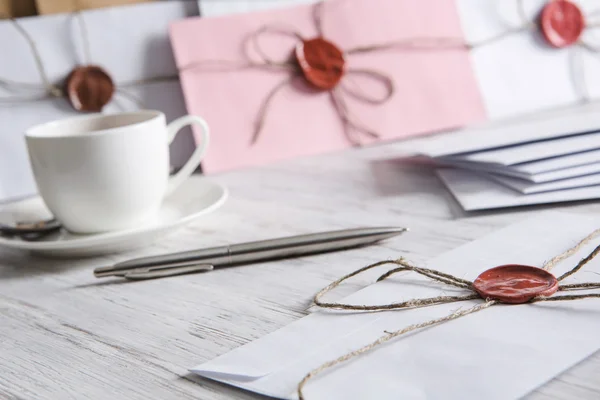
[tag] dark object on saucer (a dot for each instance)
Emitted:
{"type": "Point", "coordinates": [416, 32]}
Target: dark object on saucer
{"type": "Point", "coordinates": [89, 88]}
{"type": "Point", "coordinates": [515, 284]}
{"type": "Point", "coordinates": [322, 63]}
{"type": "Point", "coordinates": [31, 230]}
{"type": "Point", "coordinates": [562, 23]}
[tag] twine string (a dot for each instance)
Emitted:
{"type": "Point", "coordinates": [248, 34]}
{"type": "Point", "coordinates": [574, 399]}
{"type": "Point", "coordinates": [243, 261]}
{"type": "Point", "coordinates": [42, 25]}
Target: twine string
{"type": "Point", "coordinates": [419, 43]}
{"type": "Point", "coordinates": [580, 264]}
{"type": "Point", "coordinates": [386, 338]}
{"type": "Point", "coordinates": [522, 12]}
{"type": "Point", "coordinates": [578, 74]}
{"type": "Point", "coordinates": [350, 87]}
{"type": "Point", "coordinates": [451, 280]}
{"type": "Point", "coordinates": [254, 41]}
{"type": "Point", "coordinates": [351, 123]}
{"type": "Point", "coordinates": [550, 264]}
{"type": "Point", "coordinates": [437, 43]}
{"type": "Point", "coordinates": [579, 286]}
{"type": "Point", "coordinates": [260, 121]}
{"type": "Point", "coordinates": [87, 57]}
{"type": "Point", "coordinates": [51, 89]}
{"type": "Point", "coordinates": [318, 18]}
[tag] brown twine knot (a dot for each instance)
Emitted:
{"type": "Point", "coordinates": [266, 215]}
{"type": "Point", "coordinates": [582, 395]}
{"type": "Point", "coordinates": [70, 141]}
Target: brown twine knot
{"type": "Point", "coordinates": [402, 265]}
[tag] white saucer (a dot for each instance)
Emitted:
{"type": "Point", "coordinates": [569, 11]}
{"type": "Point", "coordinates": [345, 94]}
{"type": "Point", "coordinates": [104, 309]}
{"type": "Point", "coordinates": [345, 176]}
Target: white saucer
{"type": "Point", "coordinates": [192, 201]}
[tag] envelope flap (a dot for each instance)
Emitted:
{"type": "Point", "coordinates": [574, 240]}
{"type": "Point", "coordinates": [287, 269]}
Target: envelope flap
{"type": "Point", "coordinates": [287, 345]}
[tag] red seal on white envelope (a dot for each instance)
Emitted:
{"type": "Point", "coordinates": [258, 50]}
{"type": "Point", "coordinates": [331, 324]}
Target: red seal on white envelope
{"type": "Point", "coordinates": [562, 23]}
{"type": "Point", "coordinates": [89, 88]}
{"type": "Point", "coordinates": [515, 284]}
{"type": "Point", "coordinates": [322, 62]}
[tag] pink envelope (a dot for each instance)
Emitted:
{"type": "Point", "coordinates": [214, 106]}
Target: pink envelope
{"type": "Point", "coordinates": [434, 89]}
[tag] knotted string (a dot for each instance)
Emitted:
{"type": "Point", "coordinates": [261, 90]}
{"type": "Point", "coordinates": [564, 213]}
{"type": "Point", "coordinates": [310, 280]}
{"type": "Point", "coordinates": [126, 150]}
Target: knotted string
{"type": "Point", "coordinates": [402, 265]}
{"type": "Point", "coordinates": [52, 90]}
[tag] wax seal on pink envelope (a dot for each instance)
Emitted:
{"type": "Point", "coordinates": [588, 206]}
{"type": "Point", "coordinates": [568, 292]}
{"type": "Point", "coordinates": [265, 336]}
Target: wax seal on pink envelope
{"type": "Point", "coordinates": [515, 284]}
{"type": "Point", "coordinates": [562, 23]}
{"type": "Point", "coordinates": [322, 62]}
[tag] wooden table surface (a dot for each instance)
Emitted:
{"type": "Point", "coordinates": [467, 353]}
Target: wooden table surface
{"type": "Point", "coordinates": [65, 335]}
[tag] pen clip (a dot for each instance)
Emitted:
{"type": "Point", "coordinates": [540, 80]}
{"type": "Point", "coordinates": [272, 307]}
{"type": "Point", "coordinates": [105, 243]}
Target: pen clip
{"type": "Point", "coordinates": [144, 273]}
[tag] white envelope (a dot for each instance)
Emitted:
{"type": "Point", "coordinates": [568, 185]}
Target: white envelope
{"type": "Point", "coordinates": [533, 151]}
{"type": "Point", "coordinates": [500, 353]}
{"type": "Point", "coordinates": [543, 166]}
{"type": "Point", "coordinates": [526, 187]}
{"type": "Point", "coordinates": [214, 8]}
{"type": "Point", "coordinates": [476, 192]}
{"type": "Point", "coordinates": [131, 42]}
{"type": "Point", "coordinates": [514, 171]}
{"type": "Point", "coordinates": [556, 163]}
{"type": "Point", "coordinates": [494, 134]}
{"type": "Point", "coordinates": [521, 73]}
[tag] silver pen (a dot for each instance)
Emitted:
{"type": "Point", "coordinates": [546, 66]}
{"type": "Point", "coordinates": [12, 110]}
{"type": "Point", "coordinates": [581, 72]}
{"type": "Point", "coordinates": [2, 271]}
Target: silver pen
{"type": "Point", "coordinates": [245, 253]}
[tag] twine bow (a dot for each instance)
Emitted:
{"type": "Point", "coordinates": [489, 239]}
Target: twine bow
{"type": "Point", "coordinates": [448, 279]}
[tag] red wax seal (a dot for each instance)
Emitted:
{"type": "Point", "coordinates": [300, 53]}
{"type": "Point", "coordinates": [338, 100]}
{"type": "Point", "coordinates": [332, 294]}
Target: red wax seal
{"type": "Point", "coordinates": [321, 62]}
{"type": "Point", "coordinates": [89, 88]}
{"type": "Point", "coordinates": [515, 284]}
{"type": "Point", "coordinates": [562, 23]}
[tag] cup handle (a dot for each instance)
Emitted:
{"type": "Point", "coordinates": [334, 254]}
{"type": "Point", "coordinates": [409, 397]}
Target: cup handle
{"type": "Point", "coordinates": [188, 169]}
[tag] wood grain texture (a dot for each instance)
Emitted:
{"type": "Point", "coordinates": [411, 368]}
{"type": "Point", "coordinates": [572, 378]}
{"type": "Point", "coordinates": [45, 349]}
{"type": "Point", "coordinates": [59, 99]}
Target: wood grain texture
{"type": "Point", "coordinates": [66, 335]}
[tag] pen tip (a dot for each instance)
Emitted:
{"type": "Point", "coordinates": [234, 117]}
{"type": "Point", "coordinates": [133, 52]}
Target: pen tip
{"type": "Point", "coordinates": [390, 232]}
{"type": "Point", "coordinates": [102, 272]}
{"type": "Point", "coordinates": [398, 230]}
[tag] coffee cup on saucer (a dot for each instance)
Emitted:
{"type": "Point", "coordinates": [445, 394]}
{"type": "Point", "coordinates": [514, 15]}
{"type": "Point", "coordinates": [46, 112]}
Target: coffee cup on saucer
{"type": "Point", "coordinates": [101, 173]}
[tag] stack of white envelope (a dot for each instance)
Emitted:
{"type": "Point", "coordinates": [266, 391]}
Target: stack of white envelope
{"type": "Point", "coordinates": [539, 161]}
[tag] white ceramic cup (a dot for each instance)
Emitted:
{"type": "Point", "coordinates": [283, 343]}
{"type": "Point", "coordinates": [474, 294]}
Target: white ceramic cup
{"type": "Point", "coordinates": [100, 173]}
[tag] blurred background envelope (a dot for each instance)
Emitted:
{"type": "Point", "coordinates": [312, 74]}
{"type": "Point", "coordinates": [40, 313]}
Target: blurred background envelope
{"type": "Point", "coordinates": [131, 43]}
{"type": "Point", "coordinates": [509, 71]}
{"type": "Point", "coordinates": [434, 89]}
{"type": "Point", "coordinates": [465, 359]}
